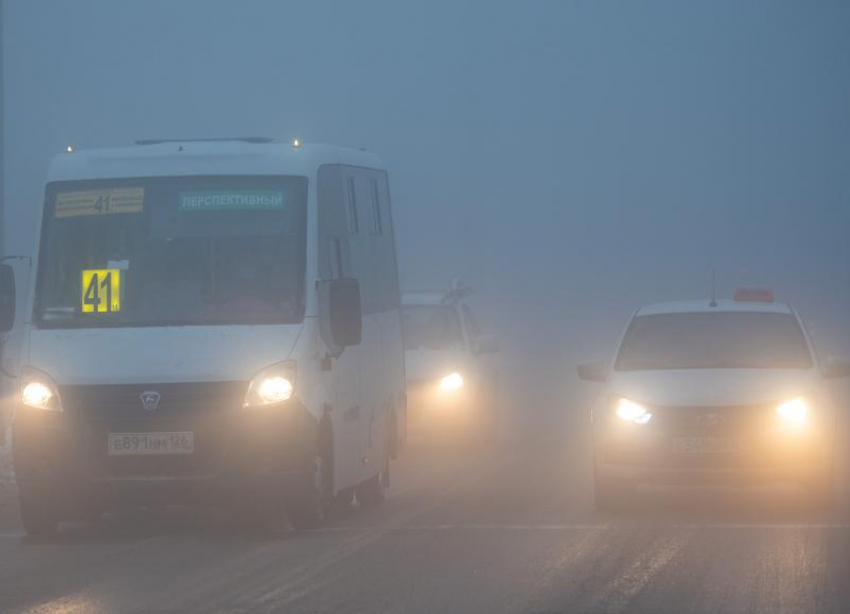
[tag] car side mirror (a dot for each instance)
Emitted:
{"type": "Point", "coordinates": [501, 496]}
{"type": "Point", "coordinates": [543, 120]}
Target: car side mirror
{"type": "Point", "coordinates": [340, 313]}
{"type": "Point", "coordinates": [485, 344]}
{"type": "Point", "coordinates": [595, 371]}
{"type": "Point", "coordinates": [836, 368]}
{"type": "Point", "coordinates": [7, 298]}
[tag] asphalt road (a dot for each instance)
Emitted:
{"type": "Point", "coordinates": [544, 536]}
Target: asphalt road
{"type": "Point", "coordinates": [512, 532]}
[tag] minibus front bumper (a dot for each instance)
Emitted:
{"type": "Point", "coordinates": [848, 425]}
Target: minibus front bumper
{"type": "Point", "coordinates": [238, 456]}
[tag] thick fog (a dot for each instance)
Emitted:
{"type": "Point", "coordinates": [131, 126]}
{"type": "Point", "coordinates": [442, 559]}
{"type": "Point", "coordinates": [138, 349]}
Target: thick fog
{"type": "Point", "coordinates": [570, 160]}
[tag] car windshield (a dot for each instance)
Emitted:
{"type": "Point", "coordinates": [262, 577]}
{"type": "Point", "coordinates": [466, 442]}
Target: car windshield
{"type": "Point", "coordinates": [429, 327]}
{"type": "Point", "coordinates": [714, 341]}
{"type": "Point", "coordinates": [172, 251]}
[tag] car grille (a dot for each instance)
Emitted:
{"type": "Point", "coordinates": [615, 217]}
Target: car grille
{"type": "Point", "coordinates": [202, 408]}
{"type": "Point", "coordinates": [747, 423]}
{"type": "Point", "coordinates": [711, 421]}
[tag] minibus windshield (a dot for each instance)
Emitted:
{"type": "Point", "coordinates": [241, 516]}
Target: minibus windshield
{"type": "Point", "coordinates": [172, 251]}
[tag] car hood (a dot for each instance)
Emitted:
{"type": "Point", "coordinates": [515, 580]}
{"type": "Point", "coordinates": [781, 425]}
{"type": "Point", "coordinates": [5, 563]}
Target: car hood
{"type": "Point", "coordinates": [160, 355]}
{"type": "Point", "coordinates": [422, 365]}
{"type": "Point", "coordinates": [712, 387]}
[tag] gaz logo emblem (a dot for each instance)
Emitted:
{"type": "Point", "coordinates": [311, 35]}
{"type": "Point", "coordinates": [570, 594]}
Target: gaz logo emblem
{"type": "Point", "coordinates": [711, 419]}
{"type": "Point", "coordinates": [150, 400]}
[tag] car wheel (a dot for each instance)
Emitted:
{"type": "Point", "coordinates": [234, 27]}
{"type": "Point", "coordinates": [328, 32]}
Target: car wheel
{"type": "Point", "coordinates": [821, 491]}
{"type": "Point", "coordinates": [38, 514]}
{"type": "Point", "coordinates": [609, 494]}
{"type": "Point", "coordinates": [341, 505]}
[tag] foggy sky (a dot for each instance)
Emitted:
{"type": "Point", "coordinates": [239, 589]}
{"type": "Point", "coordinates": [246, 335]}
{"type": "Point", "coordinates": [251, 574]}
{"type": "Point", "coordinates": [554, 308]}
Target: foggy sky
{"type": "Point", "coordinates": [573, 160]}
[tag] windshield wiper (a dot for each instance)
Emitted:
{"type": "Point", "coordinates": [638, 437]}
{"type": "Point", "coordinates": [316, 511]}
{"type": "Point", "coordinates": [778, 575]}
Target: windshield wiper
{"type": "Point", "coordinates": [59, 313]}
{"type": "Point", "coordinates": [645, 365]}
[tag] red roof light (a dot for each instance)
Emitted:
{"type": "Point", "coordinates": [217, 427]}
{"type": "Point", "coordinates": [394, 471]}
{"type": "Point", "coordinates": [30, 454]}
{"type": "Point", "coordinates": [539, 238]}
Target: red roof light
{"type": "Point", "coordinates": [754, 295]}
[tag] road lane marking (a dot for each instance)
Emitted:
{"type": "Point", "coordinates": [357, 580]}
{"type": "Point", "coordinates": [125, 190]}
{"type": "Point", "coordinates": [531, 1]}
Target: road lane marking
{"type": "Point", "coordinates": [590, 526]}
{"type": "Point", "coordinates": [278, 589]}
{"type": "Point", "coordinates": [17, 534]}
{"type": "Point", "coordinates": [767, 525]}
{"type": "Point", "coordinates": [621, 590]}
{"type": "Point", "coordinates": [474, 527]}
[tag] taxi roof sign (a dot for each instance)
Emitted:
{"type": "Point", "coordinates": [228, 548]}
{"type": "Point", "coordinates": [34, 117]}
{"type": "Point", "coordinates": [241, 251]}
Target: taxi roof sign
{"type": "Point", "coordinates": [754, 295]}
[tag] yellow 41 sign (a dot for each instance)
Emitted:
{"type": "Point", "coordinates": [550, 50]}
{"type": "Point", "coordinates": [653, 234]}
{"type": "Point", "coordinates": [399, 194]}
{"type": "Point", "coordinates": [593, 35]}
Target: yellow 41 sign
{"type": "Point", "coordinates": [101, 291]}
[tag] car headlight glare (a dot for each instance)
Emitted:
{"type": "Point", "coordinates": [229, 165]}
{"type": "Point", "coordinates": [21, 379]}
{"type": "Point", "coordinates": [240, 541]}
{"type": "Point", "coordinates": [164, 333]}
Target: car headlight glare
{"type": "Point", "coordinates": [794, 412]}
{"type": "Point", "coordinates": [39, 392]}
{"type": "Point", "coordinates": [451, 382]}
{"type": "Point", "coordinates": [632, 412]}
{"type": "Point", "coordinates": [271, 386]}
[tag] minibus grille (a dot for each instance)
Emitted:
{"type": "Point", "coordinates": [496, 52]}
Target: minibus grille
{"type": "Point", "coordinates": [200, 408]}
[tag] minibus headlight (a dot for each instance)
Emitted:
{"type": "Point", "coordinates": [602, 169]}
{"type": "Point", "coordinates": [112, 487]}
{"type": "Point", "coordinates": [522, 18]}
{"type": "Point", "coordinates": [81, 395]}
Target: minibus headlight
{"type": "Point", "coordinates": [270, 386]}
{"type": "Point", "coordinates": [794, 412]}
{"type": "Point", "coordinates": [38, 391]}
{"type": "Point", "coordinates": [451, 382]}
{"type": "Point", "coordinates": [632, 412]}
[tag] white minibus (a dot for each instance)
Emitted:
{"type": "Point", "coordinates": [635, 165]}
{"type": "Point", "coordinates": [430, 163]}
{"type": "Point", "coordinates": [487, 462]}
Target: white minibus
{"type": "Point", "coordinates": [211, 321]}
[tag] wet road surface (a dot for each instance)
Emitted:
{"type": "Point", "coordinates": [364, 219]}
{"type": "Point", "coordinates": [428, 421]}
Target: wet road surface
{"type": "Point", "coordinates": [513, 531]}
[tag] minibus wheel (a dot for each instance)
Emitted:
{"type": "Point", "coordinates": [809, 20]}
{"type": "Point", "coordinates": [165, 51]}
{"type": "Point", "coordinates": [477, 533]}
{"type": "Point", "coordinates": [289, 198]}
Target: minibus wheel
{"type": "Point", "coordinates": [307, 504]}
{"type": "Point", "coordinates": [373, 491]}
{"type": "Point", "coordinates": [311, 499]}
{"type": "Point", "coordinates": [38, 515]}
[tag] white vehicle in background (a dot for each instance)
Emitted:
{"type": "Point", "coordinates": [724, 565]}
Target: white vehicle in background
{"type": "Point", "coordinates": [714, 391]}
{"type": "Point", "coordinates": [212, 321]}
{"type": "Point", "coordinates": [452, 377]}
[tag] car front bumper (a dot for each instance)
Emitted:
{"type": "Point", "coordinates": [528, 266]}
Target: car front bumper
{"type": "Point", "coordinates": [430, 408]}
{"type": "Point", "coordinates": [765, 457]}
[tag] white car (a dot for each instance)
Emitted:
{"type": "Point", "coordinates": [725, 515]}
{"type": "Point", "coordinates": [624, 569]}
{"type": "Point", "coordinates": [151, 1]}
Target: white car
{"type": "Point", "coordinates": [452, 378]}
{"type": "Point", "coordinates": [710, 391]}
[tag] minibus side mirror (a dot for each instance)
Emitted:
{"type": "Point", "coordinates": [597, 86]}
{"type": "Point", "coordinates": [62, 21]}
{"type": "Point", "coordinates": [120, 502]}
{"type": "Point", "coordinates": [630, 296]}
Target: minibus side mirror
{"type": "Point", "coordinates": [595, 371]}
{"type": "Point", "coordinates": [7, 298]}
{"type": "Point", "coordinates": [340, 313]}
{"type": "Point", "coordinates": [836, 368]}
{"type": "Point", "coordinates": [485, 344]}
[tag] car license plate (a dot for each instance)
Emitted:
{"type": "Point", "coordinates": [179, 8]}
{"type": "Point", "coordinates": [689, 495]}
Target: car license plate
{"type": "Point", "coordinates": [708, 445]}
{"type": "Point", "coordinates": [131, 444]}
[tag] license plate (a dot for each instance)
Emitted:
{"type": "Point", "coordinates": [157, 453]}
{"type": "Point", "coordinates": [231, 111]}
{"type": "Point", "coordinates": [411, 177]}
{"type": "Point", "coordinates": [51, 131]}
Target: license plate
{"type": "Point", "coordinates": [133, 444]}
{"type": "Point", "coordinates": [708, 445]}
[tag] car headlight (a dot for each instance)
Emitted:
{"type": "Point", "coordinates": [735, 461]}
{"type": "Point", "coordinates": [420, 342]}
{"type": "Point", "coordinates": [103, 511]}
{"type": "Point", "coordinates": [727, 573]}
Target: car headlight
{"type": "Point", "coordinates": [794, 412]}
{"type": "Point", "coordinates": [39, 391]}
{"type": "Point", "coordinates": [632, 412]}
{"type": "Point", "coordinates": [270, 386]}
{"type": "Point", "coordinates": [451, 382]}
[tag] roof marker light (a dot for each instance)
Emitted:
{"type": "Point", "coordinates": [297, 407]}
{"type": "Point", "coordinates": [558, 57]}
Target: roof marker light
{"type": "Point", "coordinates": [753, 295]}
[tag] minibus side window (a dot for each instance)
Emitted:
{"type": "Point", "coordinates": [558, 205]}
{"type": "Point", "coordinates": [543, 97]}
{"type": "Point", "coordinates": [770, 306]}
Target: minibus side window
{"type": "Point", "coordinates": [387, 258]}
{"type": "Point", "coordinates": [377, 222]}
{"type": "Point", "coordinates": [334, 260]}
{"type": "Point", "coordinates": [368, 257]}
{"type": "Point", "coordinates": [365, 246]}
{"type": "Point", "coordinates": [353, 218]}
